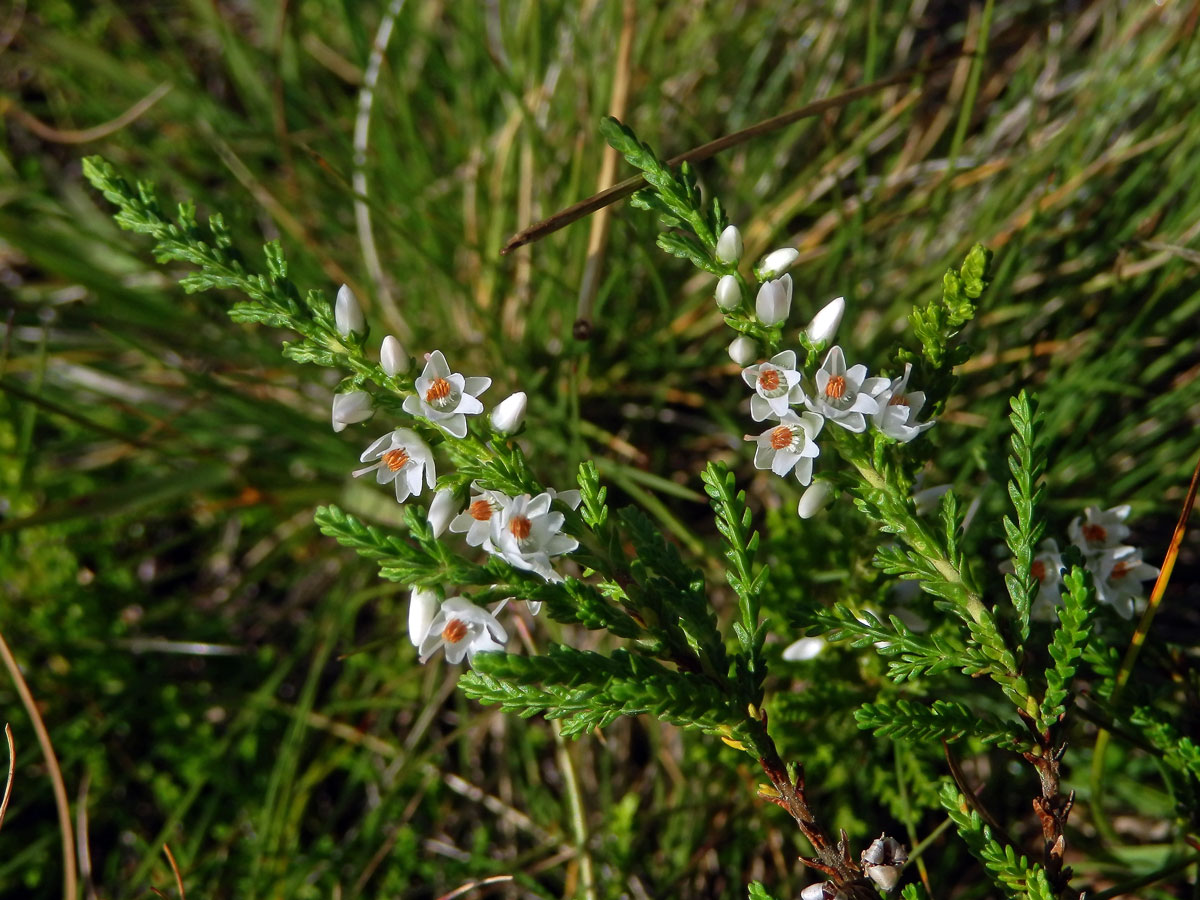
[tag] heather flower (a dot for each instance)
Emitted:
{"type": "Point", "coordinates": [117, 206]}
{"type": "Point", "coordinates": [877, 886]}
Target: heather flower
{"type": "Point", "coordinates": [776, 263]}
{"type": "Point", "coordinates": [815, 498]}
{"type": "Point", "coordinates": [508, 415]}
{"type": "Point", "coordinates": [347, 314]}
{"type": "Point", "coordinates": [350, 408]}
{"type": "Point", "coordinates": [845, 395]}
{"type": "Point", "coordinates": [883, 860]}
{"type": "Point", "coordinates": [743, 350]}
{"type": "Point", "coordinates": [392, 356]}
{"type": "Point", "coordinates": [526, 534]}
{"type": "Point", "coordinates": [804, 649]}
{"type": "Point", "coordinates": [728, 293]}
{"type": "Point", "coordinates": [1118, 574]}
{"type": "Point", "coordinates": [824, 324]}
{"type": "Point", "coordinates": [774, 300]}
{"type": "Point", "coordinates": [403, 458]}
{"type": "Point", "coordinates": [475, 521]}
{"type": "Point", "coordinates": [1099, 531]}
{"type": "Point", "coordinates": [446, 398]}
{"type": "Point", "coordinates": [790, 445]}
{"type": "Point", "coordinates": [440, 511]}
{"type": "Point", "coordinates": [463, 629]}
{"type": "Point", "coordinates": [422, 605]}
{"type": "Point", "coordinates": [729, 245]}
{"type": "Point", "coordinates": [776, 386]}
{"type": "Point", "coordinates": [899, 408]}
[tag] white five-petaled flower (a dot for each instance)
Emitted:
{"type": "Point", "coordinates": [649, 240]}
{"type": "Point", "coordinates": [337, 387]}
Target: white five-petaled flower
{"type": "Point", "coordinates": [526, 534]}
{"type": "Point", "coordinates": [774, 300]}
{"type": "Point", "coordinates": [400, 457]}
{"type": "Point", "coordinates": [446, 398]}
{"type": "Point", "coordinates": [464, 629]}
{"type": "Point", "coordinates": [776, 386]}
{"type": "Point", "coordinates": [1098, 531]}
{"type": "Point", "coordinates": [422, 605]}
{"type": "Point", "coordinates": [350, 408]}
{"type": "Point", "coordinates": [476, 520]}
{"type": "Point", "coordinates": [899, 408]}
{"type": "Point", "coordinates": [845, 396]}
{"type": "Point", "coordinates": [1118, 575]}
{"type": "Point", "coordinates": [790, 445]}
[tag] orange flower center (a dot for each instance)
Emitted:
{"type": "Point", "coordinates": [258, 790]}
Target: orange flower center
{"type": "Point", "coordinates": [1097, 534]}
{"type": "Point", "coordinates": [1039, 570]}
{"type": "Point", "coordinates": [781, 437]}
{"type": "Point", "coordinates": [480, 510]}
{"type": "Point", "coordinates": [769, 380]}
{"type": "Point", "coordinates": [836, 388]}
{"type": "Point", "coordinates": [1121, 569]}
{"type": "Point", "coordinates": [454, 631]}
{"type": "Point", "coordinates": [898, 400]}
{"type": "Point", "coordinates": [439, 390]}
{"type": "Point", "coordinates": [395, 459]}
{"type": "Point", "coordinates": [520, 527]}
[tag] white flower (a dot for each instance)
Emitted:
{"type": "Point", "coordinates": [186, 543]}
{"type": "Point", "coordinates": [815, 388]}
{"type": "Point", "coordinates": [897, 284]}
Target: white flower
{"type": "Point", "coordinates": [789, 445]}
{"type": "Point", "coordinates": [743, 350]}
{"type": "Point", "coordinates": [729, 293]}
{"type": "Point", "coordinates": [774, 301]}
{"type": "Point", "coordinates": [440, 510]}
{"type": "Point", "coordinates": [351, 407]}
{"type": "Point", "coordinates": [400, 457]}
{"type": "Point", "coordinates": [464, 629]}
{"type": "Point", "coordinates": [845, 395]}
{"type": "Point", "coordinates": [392, 356]}
{"type": "Point", "coordinates": [476, 519]}
{"type": "Point", "coordinates": [776, 263]}
{"type": "Point", "coordinates": [1098, 531]}
{"type": "Point", "coordinates": [525, 534]}
{"type": "Point", "coordinates": [815, 498]}
{"type": "Point", "coordinates": [883, 860]}
{"type": "Point", "coordinates": [1047, 568]}
{"type": "Point", "coordinates": [898, 409]}
{"type": "Point", "coordinates": [347, 314]}
{"type": "Point", "coordinates": [446, 398]}
{"type": "Point", "coordinates": [776, 386]}
{"type": "Point", "coordinates": [824, 324]}
{"type": "Point", "coordinates": [729, 245]}
{"type": "Point", "coordinates": [509, 413]}
{"type": "Point", "coordinates": [421, 606]}
{"type": "Point", "coordinates": [1118, 574]}
{"type": "Point", "coordinates": [803, 649]}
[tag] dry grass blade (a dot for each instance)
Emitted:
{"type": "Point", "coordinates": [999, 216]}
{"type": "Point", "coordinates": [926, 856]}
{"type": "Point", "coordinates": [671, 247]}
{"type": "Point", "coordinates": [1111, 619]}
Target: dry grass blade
{"type": "Point", "coordinates": [705, 151]}
{"type": "Point", "coordinates": [12, 767]}
{"type": "Point", "coordinates": [470, 886]}
{"type": "Point", "coordinates": [58, 136]}
{"type": "Point", "coordinates": [175, 869]}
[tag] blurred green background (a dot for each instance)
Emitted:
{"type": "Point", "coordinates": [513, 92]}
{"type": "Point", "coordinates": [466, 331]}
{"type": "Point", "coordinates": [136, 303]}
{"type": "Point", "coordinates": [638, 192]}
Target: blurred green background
{"type": "Point", "coordinates": [216, 675]}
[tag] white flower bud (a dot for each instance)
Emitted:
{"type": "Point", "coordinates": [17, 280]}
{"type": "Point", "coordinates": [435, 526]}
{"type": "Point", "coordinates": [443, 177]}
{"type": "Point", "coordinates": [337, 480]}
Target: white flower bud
{"type": "Point", "coordinates": [815, 498]}
{"type": "Point", "coordinates": [351, 407]}
{"type": "Point", "coordinates": [509, 413]}
{"type": "Point", "coordinates": [776, 263]}
{"type": "Point", "coordinates": [347, 314]}
{"type": "Point", "coordinates": [774, 301]}
{"type": "Point", "coordinates": [729, 245]}
{"type": "Point", "coordinates": [729, 293]}
{"type": "Point", "coordinates": [392, 356]}
{"type": "Point", "coordinates": [883, 861]}
{"type": "Point", "coordinates": [804, 649]}
{"type": "Point", "coordinates": [743, 350]}
{"type": "Point", "coordinates": [441, 510]}
{"type": "Point", "coordinates": [824, 324]}
{"type": "Point", "coordinates": [422, 606]}
{"type": "Point", "coordinates": [884, 876]}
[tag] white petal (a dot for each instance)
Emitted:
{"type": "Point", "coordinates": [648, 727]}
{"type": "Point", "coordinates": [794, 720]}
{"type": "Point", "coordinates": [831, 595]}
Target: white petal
{"type": "Point", "coordinates": [440, 511]}
{"type": "Point", "coordinates": [814, 499]}
{"type": "Point", "coordinates": [392, 356]}
{"type": "Point", "coordinates": [422, 607]}
{"type": "Point", "coordinates": [824, 324]}
{"type": "Point", "coordinates": [476, 384]}
{"type": "Point", "coordinates": [729, 245]}
{"type": "Point", "coordinates": [805, 648]}
{"type": "Point", "coordinates": [347, 314]}
{"type": "Point", "coordinates": [508, 415]}
{"type": "Point", "coordinates": [777, 262]}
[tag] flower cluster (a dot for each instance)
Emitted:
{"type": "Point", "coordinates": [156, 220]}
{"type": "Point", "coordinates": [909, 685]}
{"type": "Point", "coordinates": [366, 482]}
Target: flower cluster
{"type": "Point", "coordinates": [1117, 569]}
{"type": "Point", "coordinates": [524, 530]}
{"type": "Point", "coordinates": [836, 392]}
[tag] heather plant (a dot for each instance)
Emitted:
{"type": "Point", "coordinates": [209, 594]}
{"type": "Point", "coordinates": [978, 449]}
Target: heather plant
{"type": "Point", "coordinates": [799, 562]}
{"type": "Point", "coordinates": [482, 532]}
